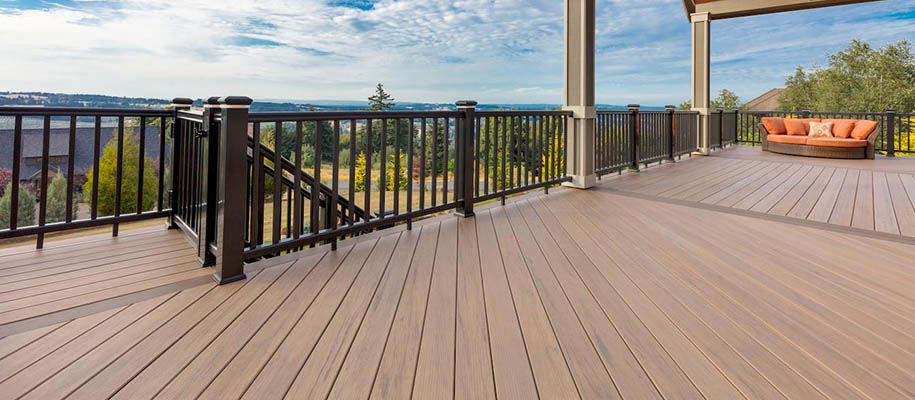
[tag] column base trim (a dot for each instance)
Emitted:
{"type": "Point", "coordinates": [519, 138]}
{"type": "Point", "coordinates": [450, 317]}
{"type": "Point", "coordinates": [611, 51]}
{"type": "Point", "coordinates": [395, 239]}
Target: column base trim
{"type": "Point", "coordinates": [582, 181]}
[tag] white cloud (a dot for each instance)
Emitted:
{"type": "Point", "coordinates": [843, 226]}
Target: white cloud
{"type": "Point", "coordinates": [423, 50]}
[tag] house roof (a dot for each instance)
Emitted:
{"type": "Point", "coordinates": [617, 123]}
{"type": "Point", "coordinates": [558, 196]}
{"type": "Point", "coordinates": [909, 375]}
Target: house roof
{"type": "Point", "coordinates": [722, 9]}
{"type": "Point", "coordinates": [765, 102]}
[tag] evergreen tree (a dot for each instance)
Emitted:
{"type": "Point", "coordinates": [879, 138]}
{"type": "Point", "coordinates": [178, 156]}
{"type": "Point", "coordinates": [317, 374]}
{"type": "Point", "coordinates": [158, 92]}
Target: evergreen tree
{"type": "Point", "coordinates": [381, 100]}
{"type": "Point", "coordinates": [400, 174]}
{"type": "Point", "coordinates": [57, 200]}
{"type": "Point", "coordinates": [26, 216]}
{"type": "Point", "coordinates": [359, 184]}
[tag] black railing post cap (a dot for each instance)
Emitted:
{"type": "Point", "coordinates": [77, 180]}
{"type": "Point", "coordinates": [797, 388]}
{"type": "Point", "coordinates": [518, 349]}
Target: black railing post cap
{"type": "Point", "coordinates": [890, 110]}
{"type": "Point", "coordinates": [184, 101]}
{"type": "Point", "coordinates": [633, 106]}
{"type": "Point", "coordinates": [237, 101]}
{"type": "Point", "coordinates": [211, 101]}
{"type": "Point", "coordinates": [466, 104]}
{"type": "Point", "coordinates": [670, 107]}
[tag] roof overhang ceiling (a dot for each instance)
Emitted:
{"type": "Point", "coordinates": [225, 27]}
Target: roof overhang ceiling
{"type": "Point", "coordinates": [722, 9]}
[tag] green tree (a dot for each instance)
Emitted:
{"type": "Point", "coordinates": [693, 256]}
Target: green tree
{"type": "Point", "coordinates": [130, 173]}
{"type": "Point", "coordinates": [400, 174]}
{"type": "Point", "coordinates": [726, 100]}
{"type": "Point", "coordinates": [26, 216]}
{"type": "Point", "coordinates": [859, 78]}
{"type": "Point", "coordinates": [359, 184]}
{"type": "Point", "coordinates": [57, 200]}
{"type": "Point", "coordinates": [381, 100]}
{"type": "Point", "coordinates": [437, 146]}
{"type": "Point", "coordinates": [309, 130]}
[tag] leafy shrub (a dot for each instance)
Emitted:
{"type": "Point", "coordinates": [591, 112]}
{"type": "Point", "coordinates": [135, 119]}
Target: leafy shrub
{"type": "Point", "coordinates": [107, 182]}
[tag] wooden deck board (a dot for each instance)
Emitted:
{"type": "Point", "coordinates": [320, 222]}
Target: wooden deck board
{"type": "Point", "coordinates": [635, 289]}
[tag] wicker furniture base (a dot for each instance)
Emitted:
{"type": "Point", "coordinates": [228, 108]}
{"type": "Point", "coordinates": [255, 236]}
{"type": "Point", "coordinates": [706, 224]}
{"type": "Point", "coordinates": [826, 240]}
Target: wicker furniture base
{"type": "Point", "coordinates": [819, 151]}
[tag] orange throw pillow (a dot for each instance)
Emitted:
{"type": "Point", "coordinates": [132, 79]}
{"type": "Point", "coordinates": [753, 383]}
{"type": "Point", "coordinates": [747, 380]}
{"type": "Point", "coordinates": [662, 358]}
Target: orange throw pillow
{"type": "Point", "coordinates": [775, 126]}
{"type": "Point", "coordinates": [807, 122]}
{"type": "Point", "coordinates": [842, 128]}
{"type": "Point", "coordinates": [796, 127]}
{"type": "Point", "coordinates": [863, 129]}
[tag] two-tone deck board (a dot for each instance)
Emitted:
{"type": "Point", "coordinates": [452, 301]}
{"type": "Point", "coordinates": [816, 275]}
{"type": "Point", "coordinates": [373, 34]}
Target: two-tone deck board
{"type": "Point", "coordinates": [872, 195]}
{"type": "Point", "coordinates": [624, 291]}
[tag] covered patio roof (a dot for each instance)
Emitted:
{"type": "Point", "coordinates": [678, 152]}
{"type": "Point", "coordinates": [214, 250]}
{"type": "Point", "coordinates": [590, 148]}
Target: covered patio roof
{"type": "Point", "coordinates": [722, 9]}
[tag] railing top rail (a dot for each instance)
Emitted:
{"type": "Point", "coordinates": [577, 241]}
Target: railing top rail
{"type": "Point", "coordinates": [813, 112]}
{"type": "Point", "coordinates": [78, 111]}
{"type": "Point", "coordinates": [190, 115]}
{"type": "Point", "coordinates": [511, 113]}
{"type": "Point", "coordinates": [348, 115]}
{"type": "Point", "coordinates": [687, 112]}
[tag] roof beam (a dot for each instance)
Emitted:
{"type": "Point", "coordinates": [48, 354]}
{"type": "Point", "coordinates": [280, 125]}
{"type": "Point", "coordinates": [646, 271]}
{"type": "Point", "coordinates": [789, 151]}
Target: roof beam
{"type": "Point", "coordinates": [722, 9]}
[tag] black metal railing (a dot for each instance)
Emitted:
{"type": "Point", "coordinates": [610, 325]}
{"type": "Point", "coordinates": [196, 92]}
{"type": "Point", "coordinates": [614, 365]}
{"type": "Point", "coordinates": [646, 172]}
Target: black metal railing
{"type": "Point", "coordinates": [63, 161]}
{"type": "Point", "coordinates": [897, 130]}
{"type": "Point", "coordinates": [628, 139]}
{"type": "Point", "coordinates": [371, 170]}
{"type": "Point", "coordinates": [613, 142]}
{"type": "Point", "coordinates": [517, 151]}
{"type": "Point", "coordinates": [193, 172]}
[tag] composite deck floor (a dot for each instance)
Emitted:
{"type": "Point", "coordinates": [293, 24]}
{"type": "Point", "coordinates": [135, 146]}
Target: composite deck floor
{"type": "Point", "coordinates": [876, 195]}
{"type": "Point", "coordinates": [598, 294]}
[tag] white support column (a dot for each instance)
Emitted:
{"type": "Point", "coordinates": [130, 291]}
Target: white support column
{"type": "Point", "coordinates": [578, 95]}
{"type": "Point", "coordinates": [701, 92]}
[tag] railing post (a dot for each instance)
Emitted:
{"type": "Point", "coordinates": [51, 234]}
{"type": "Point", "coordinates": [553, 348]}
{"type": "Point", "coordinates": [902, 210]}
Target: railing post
{"type": "Point", "coordinates": [671, 132]}
{"type": "Point", "coordinates": [736, 123]}
{"type": "Point", "coordinates": [720, 131]}
{"type": "Point", "coordinates": [209, 164]}
{"type": "Point", "coordinates": [890, 132]}
{"type": "Point", "coordinates": [229, 246]}
{"type": "Point", "coordinates": [635, 136]}
{"type": "Point", "coordinates": [463, 182]}
{"type": "Point", "coordinates": [179, 103]}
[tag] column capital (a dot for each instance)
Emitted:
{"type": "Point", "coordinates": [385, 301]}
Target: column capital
{"type": "Point", "coordinates": [700, 17]}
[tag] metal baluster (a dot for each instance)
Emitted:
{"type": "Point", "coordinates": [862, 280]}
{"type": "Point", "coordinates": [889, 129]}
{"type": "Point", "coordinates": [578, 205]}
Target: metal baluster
{"type": "Point", "coordinates": [71, 156]}
{"type": "Point", "coordinates": [119, 174]}
{"type": "Point", "coordinates": [298, 204]}
{"type": "Point", "coordinates": [14, 179]}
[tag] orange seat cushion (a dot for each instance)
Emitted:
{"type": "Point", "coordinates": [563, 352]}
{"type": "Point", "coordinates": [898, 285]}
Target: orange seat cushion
{"type": "Point", "coordinates": [797, 127]}
{"type": "Point", "coordinates": [842, 128]}
{"type": "Point", "coordinates": [789, 139]}
{"type": "Point", "coordinates": [863, 129]}
{"type": "Point", "coordinates": [775, 126]}
{"type": "Point", "coordinates": [836, 142]}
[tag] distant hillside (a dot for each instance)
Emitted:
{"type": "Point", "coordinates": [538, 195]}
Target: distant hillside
{"type": "Point", "coordinates": [43, 99]}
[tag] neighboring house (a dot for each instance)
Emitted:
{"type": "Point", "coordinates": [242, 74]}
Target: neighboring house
{"type": "Point", "coordinates": [766, 102]}
{"type": "Point", "coordinates": [30, 163]}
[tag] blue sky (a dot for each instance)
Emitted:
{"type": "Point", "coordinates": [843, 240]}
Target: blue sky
{"type": "Point", "coordinates": [494, 51]}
